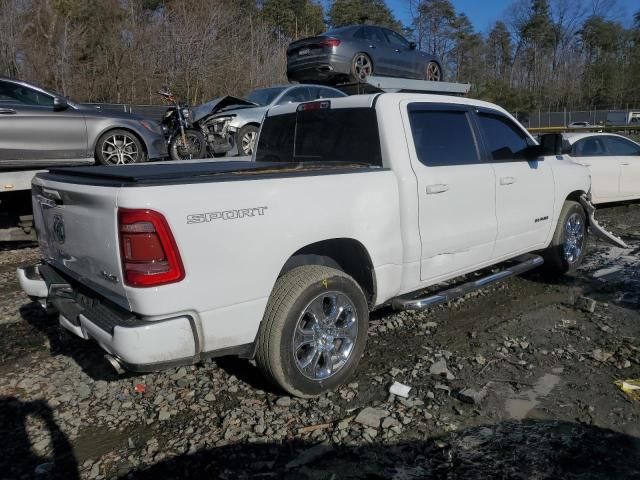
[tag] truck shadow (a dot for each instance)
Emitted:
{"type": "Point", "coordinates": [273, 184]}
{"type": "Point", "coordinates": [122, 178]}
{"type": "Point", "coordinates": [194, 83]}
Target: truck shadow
{"type": "Point", "coordinates": [528, 449]}
{"type": "Point", "coordinates": [18, 459]}
{"type": "Point", "coordinates": [88, 355]}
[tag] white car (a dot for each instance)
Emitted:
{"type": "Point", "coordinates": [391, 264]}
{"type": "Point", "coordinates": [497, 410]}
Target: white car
{"type": "Point", "coordinates": [614, 163]}
{"type": "Point", "coordinates": [351, 204]}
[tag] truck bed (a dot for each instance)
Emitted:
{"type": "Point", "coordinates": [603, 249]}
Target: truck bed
{"type": "Point", "coordinates": [193, 172]}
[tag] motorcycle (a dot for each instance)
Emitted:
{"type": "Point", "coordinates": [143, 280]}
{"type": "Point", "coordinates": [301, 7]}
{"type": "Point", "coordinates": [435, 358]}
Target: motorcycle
{"type": "Point", "coordinates": [214, 120]}
{"type": "Point", "coordinates": [185, 141]}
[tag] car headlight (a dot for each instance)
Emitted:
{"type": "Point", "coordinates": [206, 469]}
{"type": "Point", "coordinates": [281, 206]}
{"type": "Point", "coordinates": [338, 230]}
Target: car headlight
{"type": "Point", "coordinates": [220, 124]}
{"type": "Point", "coordinates": [152, 126]}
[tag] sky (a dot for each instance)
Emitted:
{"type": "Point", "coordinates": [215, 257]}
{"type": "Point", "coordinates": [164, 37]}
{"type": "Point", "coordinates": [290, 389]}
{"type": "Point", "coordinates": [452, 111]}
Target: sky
{"type": "Point", "coordinates": [484, 13]}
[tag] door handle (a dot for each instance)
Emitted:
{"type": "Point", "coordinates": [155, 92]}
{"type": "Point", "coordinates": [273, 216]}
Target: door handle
{"type": "Point", "coordinates": [626, 163]}
{"type": "Point", "coordinates": [398, 51]}
{"type": "Point", "coordinates": [585, 164]}
{"type": "Point", "coordinates": [372, 46]}
{"type": "Point", "coordinates": [507, 180]}
{"type": "Point", "coordinates": [7, 111]}
{"type": "Point", "coordinates": [437, 188]}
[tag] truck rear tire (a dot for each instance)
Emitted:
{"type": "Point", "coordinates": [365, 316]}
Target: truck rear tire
{"type": "Point", "coordinates": [568, 245]}
{"type": "Point", "coordinates": [314, 330]}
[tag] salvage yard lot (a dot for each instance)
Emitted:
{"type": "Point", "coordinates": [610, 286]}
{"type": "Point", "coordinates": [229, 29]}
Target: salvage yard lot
{"type": "Point", "coordinates": [535, 362]}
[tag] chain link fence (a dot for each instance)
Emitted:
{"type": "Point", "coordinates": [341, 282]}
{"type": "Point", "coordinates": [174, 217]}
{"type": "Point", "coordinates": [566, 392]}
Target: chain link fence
{"type": "Point", "coordinates": [546, 119]}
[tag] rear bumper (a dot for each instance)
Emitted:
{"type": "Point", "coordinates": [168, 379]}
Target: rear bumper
{"type": "Point", "coordinates": [139, 344]}
{"type": "Point", "coordinates": [318, 67]}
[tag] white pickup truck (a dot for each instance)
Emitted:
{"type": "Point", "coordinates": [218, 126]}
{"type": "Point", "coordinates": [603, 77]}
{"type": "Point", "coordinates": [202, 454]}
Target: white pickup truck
{"type": "Point", "coordinates": [349, 204]}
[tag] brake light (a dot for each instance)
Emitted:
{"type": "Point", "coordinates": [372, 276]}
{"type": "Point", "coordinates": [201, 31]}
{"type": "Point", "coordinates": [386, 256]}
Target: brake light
{"type": "Point", "coordinates": [148, 251]}
{"type": "Point", "coordinates": [305, 107]}
{"type": "Point", "coordinates": [330, 42]}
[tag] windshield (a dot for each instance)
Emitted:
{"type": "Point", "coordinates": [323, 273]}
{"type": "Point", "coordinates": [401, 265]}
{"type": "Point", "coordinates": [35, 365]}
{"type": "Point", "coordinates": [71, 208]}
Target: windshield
{"type": "Point", "coordinates": [264, 96]}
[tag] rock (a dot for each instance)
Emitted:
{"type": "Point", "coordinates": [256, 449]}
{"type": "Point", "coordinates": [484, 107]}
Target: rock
{"type": "Point", "coordinates": [416, 402]}
{"type": "Point", "coordinates": [440, 368]}
{"type": "Point", "coordinates": [399, 389]}
{"type": "Point", "coordinates": [41, 446]}
{"type": "Point", "coordinates": [179, 374]}
{"type": "Point", "coordinates": [209, 397]}
{"type": "Point", "coordinates": [600, 356]}
{"type": "Point", "coordinates": [64, 398]}
{"type": "Point", "coordinates": [283, 402]}
{"type": "Point", "coordinates": [83, 391]}
{"type": "Point", "coordinates": [585, 304]}
{"type": "Point", "coordinates": [95, 470]}
{"type": "Point", "coordinates": [390, 422]}
{"type": "Point", "coordinates": [480, 359]}
{"type": "Point", "coordinates": [469, 395]}
{"type": "Point", "coordinates": [440, 386]}
{"type": "Point", "coordinates": [371, 417]}
{"type": "Point", "coordinates": [369, 434]}
{"type": "Point", "coordinates": [164, 415]}
{"type": "Point", "coordinates": [431, 324]}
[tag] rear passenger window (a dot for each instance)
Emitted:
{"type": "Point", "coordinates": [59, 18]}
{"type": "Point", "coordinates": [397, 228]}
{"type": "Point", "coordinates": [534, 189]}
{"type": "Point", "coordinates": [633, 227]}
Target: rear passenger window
{"type": "Point", "coordinates": [442, 137]}
{"type": "Point", "coordinates": [506, 141]}
{"type": "Point", "coordinates": [589, 147]}
{"type": "Point", "coordinates": [621, 147]}
{"type": "Point", "coordinates": [347, 135]}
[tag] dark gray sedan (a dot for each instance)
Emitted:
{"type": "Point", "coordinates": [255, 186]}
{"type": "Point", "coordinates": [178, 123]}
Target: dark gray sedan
{"type": "Point", "coordinates": [41, 128]}
{"type": "Point", "coordinates": [355, 52]}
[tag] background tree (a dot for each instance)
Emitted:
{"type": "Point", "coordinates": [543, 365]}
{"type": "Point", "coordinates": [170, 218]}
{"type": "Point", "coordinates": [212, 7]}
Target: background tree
{"type": "Point", "coordinates": [350, 12]}
{"type": "Point", "coordinates": [543, 54]}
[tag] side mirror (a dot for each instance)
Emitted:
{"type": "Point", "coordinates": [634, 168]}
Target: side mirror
{"type": "Point", "coordinates": [60, 104]}
{"type": "Point", "coordinates": [534, 151]}
{"type": "Point", "coordinates": [412, 45]}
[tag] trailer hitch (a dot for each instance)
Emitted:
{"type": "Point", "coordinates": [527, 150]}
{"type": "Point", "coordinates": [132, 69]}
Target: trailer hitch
{"type": "Point", "coordinates": [596, 228]}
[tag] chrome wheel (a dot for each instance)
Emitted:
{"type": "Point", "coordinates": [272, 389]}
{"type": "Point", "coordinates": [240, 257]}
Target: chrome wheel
{"type": "Point", "coordinates": [325, 335]}
{"type": "Point", "coordinates": [362, 66]}
{"type": "Point", "coordinates": [120, 149]}
{"type": "Point", "coordinates": [190, 148]}
{"type": "Point", "coordinates": [248, 142]}
{"type": "Point", "coordinates": [433, 72]}
{"type": "Point", "coordinates": [574, 229]}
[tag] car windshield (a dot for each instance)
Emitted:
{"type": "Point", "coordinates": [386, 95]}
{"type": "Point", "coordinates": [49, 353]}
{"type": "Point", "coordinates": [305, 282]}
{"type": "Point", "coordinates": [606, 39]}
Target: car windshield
{"type": "Point", "coordinates": [264, 96]}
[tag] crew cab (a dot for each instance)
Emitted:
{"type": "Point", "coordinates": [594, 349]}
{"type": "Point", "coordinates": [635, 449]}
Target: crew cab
{"type": "Point", "coordinates": [350, 204]}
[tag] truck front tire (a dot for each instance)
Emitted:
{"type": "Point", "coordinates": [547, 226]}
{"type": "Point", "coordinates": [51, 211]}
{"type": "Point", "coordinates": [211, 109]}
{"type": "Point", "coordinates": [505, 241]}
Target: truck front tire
{"type": "Point", "coordinates": [314, 330]}
{"type": "Point", "coordinates": [568, 246]}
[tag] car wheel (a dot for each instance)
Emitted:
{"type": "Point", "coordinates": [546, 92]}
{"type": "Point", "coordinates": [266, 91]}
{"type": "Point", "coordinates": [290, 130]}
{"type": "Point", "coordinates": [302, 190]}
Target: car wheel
{"type": "Point", "coordinates": [361, 67]}
{"type": "Point", "coordinates": [247, 137]}
{"type": "Point", "coordinates": [192, 147]}
{"type": "Point", "coordinates": [314, 330]}
{"type": "Point", "coordinates": [568, 246]}
{"type": "Point", "coordinates": [433, 72]}
{"type": "Point", "coordinates": [119, 147]}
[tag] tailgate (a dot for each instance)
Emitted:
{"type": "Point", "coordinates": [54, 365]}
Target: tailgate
{"type": "Point", "coordinates": [77, 234]}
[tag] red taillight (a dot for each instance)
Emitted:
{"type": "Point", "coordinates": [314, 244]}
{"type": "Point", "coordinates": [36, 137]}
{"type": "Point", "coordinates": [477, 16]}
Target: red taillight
{"type": "Point", "coordinates": [330, 42]}
{"type": "Point", "coordinates": [148, 251]}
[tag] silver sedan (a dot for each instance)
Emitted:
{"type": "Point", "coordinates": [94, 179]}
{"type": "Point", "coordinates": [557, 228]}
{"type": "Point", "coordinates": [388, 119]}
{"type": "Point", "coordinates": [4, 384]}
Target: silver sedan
{"type": "Point", "coordinates": [40, 128]}
{"type": "Point", "coordinates": [353, 53]}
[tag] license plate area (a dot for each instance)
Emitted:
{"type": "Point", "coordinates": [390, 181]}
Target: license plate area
{"type": "Point", "coordinates": [304, 51]}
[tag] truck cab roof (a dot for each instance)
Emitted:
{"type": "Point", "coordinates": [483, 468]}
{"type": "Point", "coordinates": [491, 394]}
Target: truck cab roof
{"type": "Point", "coordinates": [370, 100]}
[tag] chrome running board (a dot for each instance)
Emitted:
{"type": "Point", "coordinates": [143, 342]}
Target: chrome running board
{"type": "Point", "coordinates": [524, 263]}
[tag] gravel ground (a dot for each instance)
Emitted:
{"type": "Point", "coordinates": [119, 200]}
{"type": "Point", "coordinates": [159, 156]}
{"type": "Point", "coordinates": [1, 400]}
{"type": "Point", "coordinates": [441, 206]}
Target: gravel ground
{"type": "Point", "coordinates": [514, 381]}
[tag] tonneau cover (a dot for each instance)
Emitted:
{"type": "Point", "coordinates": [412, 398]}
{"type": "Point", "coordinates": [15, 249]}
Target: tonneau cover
{"type": "Point", "coordinates": [184, 172]}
